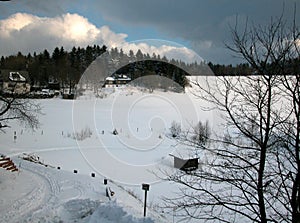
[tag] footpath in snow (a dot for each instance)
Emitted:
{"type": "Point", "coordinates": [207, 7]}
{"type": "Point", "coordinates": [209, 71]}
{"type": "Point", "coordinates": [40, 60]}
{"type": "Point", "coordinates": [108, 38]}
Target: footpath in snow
{"type": "Point", "coordinates": [44, 194]}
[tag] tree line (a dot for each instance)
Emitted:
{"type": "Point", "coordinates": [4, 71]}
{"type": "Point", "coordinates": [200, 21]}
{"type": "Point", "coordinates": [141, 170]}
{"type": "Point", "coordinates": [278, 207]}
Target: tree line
{"type": "Point", "coordinates": [66, 67]}
{"type": "Point", "coordinates": [60, 66]}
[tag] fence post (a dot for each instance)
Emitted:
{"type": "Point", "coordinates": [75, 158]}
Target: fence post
{"type": "Point", "coordinates": [145, 187]}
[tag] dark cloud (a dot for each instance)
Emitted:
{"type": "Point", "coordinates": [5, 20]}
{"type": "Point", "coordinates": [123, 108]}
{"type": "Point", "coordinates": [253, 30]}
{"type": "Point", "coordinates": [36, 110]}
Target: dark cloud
{"type": "Point", "coordinates": [198, 21]}
{"type": "Point", "coordinates": [46, 8]}
{"type": "Point", "coordinates": [192, 18]}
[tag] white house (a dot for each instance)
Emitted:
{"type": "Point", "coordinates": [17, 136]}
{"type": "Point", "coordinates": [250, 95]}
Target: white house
{"type": "Point", "coordinates": [14, 82]}
{"type": "Point", "coordinates": [117, 81]}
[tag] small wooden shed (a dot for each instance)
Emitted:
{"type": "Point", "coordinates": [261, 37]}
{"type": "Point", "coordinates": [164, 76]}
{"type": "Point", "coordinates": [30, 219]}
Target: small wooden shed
{"type": "Point", "coordinates": [185, 164]}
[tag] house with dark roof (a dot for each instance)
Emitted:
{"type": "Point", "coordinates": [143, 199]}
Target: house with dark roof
{"type": "Point", "coordinates": [14, 82]}
{"type": "Point", "coordinates": [117, 80]}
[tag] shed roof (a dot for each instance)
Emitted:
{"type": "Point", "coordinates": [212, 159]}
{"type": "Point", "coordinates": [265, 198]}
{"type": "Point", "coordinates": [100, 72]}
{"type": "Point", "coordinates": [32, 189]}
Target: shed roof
{"type": "Point", "coordinates": [13, 75]}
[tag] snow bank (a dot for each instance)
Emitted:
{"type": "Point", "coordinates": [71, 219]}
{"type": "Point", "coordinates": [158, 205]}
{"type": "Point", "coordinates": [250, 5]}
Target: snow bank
{"type": "Point", "coordinates": [110, 213]}
{"type": "Point", "coordinates": [78, 210]}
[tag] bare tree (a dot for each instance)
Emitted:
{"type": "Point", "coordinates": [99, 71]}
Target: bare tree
{"type": "Point", "coordinates": [244, 176]}
{"type": "Point", "coordinates": [288, 158]}
{"type": "Point", "coordinates": [16, 107]}
{"type": "Point", "coordinates": [287, 155]}
{"type": "Point", "coordinates": [287, 168]}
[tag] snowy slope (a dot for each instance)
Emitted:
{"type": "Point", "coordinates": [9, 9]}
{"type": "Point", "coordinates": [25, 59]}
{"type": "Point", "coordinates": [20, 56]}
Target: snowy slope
{"type": "Point", "coordinates": [133, 157]}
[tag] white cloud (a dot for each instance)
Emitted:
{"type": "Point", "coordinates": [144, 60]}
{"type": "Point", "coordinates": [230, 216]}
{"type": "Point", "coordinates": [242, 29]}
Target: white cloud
{"type": "Point", "coordinates": [163, 48]}
{"type": "Point", "coordinates": [15, 23]}
{"type": "Point", "coordinates": [28, 33]}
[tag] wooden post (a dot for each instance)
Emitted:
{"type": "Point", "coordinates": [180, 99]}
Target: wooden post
{"type": "Point", "coordinates": [145, 204]}
{"type": "Point", "coordinates": [145, 187]}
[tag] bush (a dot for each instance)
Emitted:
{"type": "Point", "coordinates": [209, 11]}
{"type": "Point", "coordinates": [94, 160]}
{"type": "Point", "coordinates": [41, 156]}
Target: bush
{"type": "Point", "coordinates": [83, 134]}
{"type": "Point", "coordinates": [201, 133]}
{"type": "Point", "coordinates": [175, 129]}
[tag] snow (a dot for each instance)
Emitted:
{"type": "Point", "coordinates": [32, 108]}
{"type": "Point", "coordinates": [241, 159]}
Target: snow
{"type": "Point", "coordinates": [110, 213]}
{"type": "Point", "coordinates": [44, 194]}
{"type": "Point", "coordinates": [134, 156]}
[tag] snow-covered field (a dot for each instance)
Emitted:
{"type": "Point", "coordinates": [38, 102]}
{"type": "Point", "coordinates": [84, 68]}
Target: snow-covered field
{"type": "Point", "coordinates": [78, 135]}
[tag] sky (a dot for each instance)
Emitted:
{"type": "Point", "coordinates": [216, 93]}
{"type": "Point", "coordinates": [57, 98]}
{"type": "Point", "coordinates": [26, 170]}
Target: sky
{"type": "Point", "coordinates": [198, 28]}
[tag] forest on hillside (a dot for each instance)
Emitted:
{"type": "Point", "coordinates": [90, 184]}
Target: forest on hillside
{"type": "Point", "coordinates": [66, 67]}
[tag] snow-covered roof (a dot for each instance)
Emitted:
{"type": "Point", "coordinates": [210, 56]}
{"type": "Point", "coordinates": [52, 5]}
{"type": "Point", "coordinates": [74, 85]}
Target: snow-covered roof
{"type": "Point", "coordinates": [123, 77]}
{"type": "Point", "coordinates": [119, 77]}
{"type": "Point", "coordinates": [7, 75]}
{"type": "Point", "coordinates": [110, 79]}
{"type": "Point", "coordinates": [16, 76]}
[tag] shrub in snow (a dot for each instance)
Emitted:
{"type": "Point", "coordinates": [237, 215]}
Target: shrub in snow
{"type": "Point", "coordinates": [201, 133]}
{"type": "Point", "coordinates": [82, 134]}
{"type": "Point", "coordinates": [175, 129]}
{"type": "Point", "coordinates": [33, 158]}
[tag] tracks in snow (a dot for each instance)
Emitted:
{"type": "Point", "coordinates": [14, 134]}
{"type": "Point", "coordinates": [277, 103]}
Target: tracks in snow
{"type": "Point", "coordinates": [34, 199]}
{"type": "Point", "coordinates": [46, 194]}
